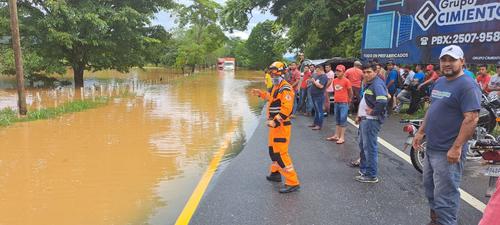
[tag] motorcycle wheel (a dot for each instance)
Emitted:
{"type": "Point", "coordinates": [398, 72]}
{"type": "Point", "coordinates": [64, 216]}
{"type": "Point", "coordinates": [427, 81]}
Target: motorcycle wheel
{"type": "Point", "coordinates": [417, 157]}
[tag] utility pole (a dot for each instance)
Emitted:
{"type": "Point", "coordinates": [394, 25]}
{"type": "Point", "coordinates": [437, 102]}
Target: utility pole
{"type": "Point", "coordinates": [16, 45]}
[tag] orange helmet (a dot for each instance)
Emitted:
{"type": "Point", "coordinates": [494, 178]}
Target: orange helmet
{"type": "Point", "coordinates": [277, 68]}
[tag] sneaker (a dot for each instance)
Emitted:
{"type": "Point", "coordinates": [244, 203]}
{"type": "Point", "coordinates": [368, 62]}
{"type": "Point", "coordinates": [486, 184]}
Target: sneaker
{"type": "Point", "coordinates": [360, 173]}
{"type": "Point", "coordinates": [365, 179]}
{"type": "Point", "coordinates": [288, 189]}
{"type": "Point", "coordinates": [325, 114]}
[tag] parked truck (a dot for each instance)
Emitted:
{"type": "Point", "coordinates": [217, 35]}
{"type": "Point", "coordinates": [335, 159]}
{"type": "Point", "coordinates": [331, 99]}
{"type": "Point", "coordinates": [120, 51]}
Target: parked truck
{"type": "Point", "coordinates": [226, 63]}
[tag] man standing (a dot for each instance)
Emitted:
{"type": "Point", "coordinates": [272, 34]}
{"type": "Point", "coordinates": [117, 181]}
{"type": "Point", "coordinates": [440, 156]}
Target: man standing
{"type": "Point", "coordinates": [343, 95]}
{"type": "Point", "coordinates": [309, 100]}
{"type": "Point", "coordinates": [278, 110]}
{"type": "Point", "coordinates": [449, 122]}
{"type": "Point", "coordinates": [355, 75]}
{"type": "Point", "coordinates": [371, 115]}
{"type": "Point", "coordinates": [391, 82]}
{"type": "Point", "coordinates": [317, 91]}
{"type": "Point", "coordinates": [329, 88]}
{"type": "Point", "coordinates": [303, 89]}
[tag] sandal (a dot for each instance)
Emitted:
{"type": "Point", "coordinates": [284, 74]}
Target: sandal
{"type": "Point", "coordinates": [333, 138]}
{"type": "Point", "coordinates": [340, 142]}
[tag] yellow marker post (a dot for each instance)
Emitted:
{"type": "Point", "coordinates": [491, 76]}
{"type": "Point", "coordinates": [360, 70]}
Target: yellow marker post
{"type": "Point", "coordinates": [200, 189]}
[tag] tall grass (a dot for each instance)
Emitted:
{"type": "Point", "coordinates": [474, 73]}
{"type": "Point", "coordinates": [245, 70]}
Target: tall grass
{"type": "Point", "coordinates": [9, 116]}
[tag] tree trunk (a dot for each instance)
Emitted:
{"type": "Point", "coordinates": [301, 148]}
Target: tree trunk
{"type": "Point", "coordinates": [78, 76]}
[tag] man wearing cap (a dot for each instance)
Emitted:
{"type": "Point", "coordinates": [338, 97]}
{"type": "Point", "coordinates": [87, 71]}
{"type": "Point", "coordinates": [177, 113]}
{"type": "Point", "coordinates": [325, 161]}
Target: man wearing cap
{"type": "Point", "coordinates": [431, 77]}
{"type": "Point", "coordinates": [355, 76]}
{"type": "Point", "coordinates": [449, 122]}
{"type": "Point", "coordinates": [343, 95]}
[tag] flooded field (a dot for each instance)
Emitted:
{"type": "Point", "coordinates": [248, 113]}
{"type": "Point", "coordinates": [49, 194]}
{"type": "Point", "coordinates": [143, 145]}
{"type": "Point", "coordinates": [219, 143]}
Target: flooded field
{"type": "Point", "coordinates": [135, 161]}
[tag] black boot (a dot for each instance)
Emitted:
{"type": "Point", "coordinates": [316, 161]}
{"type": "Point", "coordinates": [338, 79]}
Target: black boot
{"type": "Point", "coordinates": [288, 188]}
{"type": "Point", "coordinates": [275, 177]}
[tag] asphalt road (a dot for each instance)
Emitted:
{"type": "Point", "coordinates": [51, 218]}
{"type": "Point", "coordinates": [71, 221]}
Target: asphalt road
{"type": "Point", "coordinates": [240, 194]}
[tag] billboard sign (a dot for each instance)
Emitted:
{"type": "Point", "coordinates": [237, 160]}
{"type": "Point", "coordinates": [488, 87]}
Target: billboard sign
{"type": "Point", "coordinates": [415, 31]}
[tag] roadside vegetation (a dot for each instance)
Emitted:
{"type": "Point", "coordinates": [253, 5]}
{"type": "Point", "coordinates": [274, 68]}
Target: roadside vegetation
{"type": "Point", "coordinates": [9, 116]}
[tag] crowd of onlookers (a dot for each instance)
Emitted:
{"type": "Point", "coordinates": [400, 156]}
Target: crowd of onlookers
{"type": "Point", "coordinates": [408, 85]}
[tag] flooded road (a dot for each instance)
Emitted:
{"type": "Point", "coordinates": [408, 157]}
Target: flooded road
{"type": "Point", "coordinates": [135, 161]}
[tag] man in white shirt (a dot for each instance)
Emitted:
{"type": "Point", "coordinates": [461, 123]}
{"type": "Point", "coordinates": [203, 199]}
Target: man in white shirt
{"type": "Point", "coordinates": [494, 85]}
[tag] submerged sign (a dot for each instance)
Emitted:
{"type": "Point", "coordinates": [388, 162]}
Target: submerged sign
{"type": "Point", "coordinates": [415, 31]}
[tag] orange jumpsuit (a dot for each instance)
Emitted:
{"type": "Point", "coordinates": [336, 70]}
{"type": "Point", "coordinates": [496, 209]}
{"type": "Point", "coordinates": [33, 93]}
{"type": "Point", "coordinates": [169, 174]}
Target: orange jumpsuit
{"type": "Point", "coordinates": [281, 103]}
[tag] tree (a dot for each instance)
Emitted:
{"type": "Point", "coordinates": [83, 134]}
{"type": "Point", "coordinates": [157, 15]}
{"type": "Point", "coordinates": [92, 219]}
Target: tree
{"type": "Point", "coordinates": [320, 28]}
{"type": "Point", "coordinates": [90, 34]}
{"type": "Point", "coordinates": [265, 44]}
{"type": "Point", "coordinates": [204, 35]}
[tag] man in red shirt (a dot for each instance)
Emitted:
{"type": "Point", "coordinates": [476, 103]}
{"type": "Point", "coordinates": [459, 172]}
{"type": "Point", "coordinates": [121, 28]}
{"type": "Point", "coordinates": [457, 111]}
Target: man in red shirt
{"type": "Point", "coordinates": [483, 78]}
{"type": "Point", "coordinates": [343, 95]}
{"type": "Point", "coordinates": [431, 76]}
{"type": "Point", "coordinates": [355, 75]}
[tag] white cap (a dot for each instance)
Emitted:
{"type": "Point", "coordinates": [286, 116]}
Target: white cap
{"type": "Point", "coordinates": [453, 51]}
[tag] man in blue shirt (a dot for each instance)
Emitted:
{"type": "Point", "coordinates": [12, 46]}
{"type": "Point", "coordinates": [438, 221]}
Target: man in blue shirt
{"type": "Point", "coordinates": [419, 74]}
{"type": "Point", "coordinates": [449, 122]}
{"type": "Point", "coordinates": [392, 82]}
{"type": "Point", "coordinates": [371, 115]}
{"type": "Point", "coordinates": [317, 91]}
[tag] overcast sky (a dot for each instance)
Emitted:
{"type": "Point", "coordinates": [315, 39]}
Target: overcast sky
{"type": "Point", "coordinates": [165, 19]}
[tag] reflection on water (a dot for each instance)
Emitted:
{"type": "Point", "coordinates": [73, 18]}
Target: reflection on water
{"type": "Point", "coordinates": [134, 161]}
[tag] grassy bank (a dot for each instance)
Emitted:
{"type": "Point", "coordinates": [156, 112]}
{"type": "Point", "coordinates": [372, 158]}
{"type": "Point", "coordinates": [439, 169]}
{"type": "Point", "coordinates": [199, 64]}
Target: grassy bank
{"type": "Point", "coordinates": [9, 116]}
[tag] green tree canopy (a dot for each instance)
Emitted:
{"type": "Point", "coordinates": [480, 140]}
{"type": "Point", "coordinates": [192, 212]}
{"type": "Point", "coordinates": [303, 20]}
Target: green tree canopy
{"type": "Point", "coordinates": [90, 34]}
{"type": "Point", "coordinates": [265, 44]}
{"type": "Point", "coordinates": [203, 37]}
{"type": "Point", "coordinates": [321, 28]}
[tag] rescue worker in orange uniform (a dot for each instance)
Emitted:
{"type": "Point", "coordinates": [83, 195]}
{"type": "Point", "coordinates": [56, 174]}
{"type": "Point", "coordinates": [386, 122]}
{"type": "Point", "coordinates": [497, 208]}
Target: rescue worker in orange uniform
{"type": "Point", "coordinates": [279, 109]}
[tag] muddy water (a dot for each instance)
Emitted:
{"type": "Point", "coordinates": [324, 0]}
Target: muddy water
{"type": "Point", "coordinates": [134, 161]}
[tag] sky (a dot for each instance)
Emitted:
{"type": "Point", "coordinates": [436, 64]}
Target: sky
{"type": "Point", "coordinates": [164, 18]}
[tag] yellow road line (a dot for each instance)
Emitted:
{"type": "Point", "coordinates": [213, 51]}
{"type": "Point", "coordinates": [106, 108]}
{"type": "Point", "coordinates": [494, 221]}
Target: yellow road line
{"type": "Point", "coordinates": [474, 202]}
{"type": "Point", "coordinates": [190, 207]}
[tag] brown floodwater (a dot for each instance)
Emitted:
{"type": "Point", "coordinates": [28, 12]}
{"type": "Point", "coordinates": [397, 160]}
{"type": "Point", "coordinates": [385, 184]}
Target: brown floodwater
{"type": "Point", "coordinates": [134, 161]}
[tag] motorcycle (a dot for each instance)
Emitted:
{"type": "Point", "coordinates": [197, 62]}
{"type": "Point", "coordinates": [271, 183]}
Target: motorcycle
{"type": "Point", "coordinates": [488, 119]}
{"type": "Point", "coordinates": [490, 151]}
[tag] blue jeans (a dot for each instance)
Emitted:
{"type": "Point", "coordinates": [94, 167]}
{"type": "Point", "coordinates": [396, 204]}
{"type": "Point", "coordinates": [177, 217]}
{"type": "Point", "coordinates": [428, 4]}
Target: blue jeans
{"type": "Point", "coordinates": [441, 183]}
{"type": "Point", "coordinates": [309, 101]}
{"type": "Point", "coordinates": [302, 100]}
{"type": "Point", "coordinates": [318, 102]}
{"type": "Point", "coordinates": [295, 103]}
{"type": "Point", "coordinates": [341, 110]}
{"type": "Point", "coordinates": [368, 133]}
